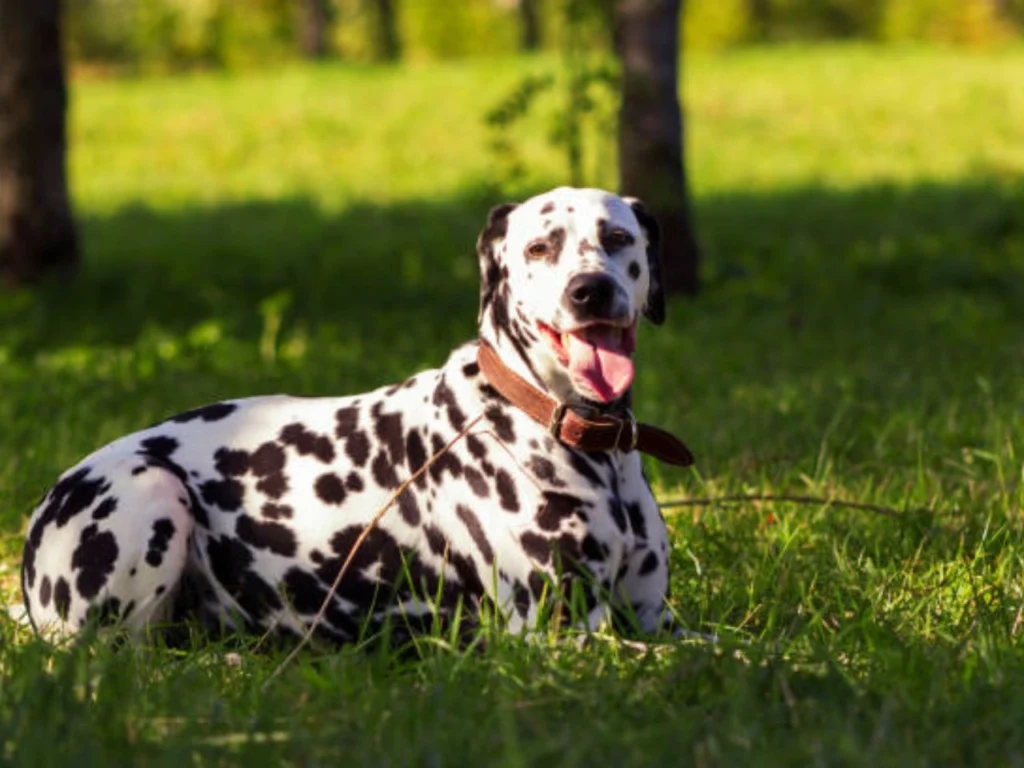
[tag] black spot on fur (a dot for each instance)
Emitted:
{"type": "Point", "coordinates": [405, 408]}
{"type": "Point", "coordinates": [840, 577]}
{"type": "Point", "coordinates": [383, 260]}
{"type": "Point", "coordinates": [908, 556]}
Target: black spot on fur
{"type": "Point", "coordinates": [469, 577]}
{"type": "Point", "coordinates": [636, 520]}
{"type": "Point", "coordinates": [649, 564]}
{"type": "Point", "coordinates": [346, 419]}
{"type": "Point", "coordinates": [507, 491]}
{"type": "Point", "coordinates": [378, 546]}
{"type": "Point", "coordinates": [271, 536]}
{"type": "Point", "coordinates": [634, 270]}
{"type": "Point", "coordinates": [303, 591]}
{"type": "Point", "coordinates": [521, 598]}
{"type": "Point", "coordinates": [417, 454]}
{"type": "Point", "coordinates": [306, 442]}
{"type": "Point", "coordinates": [502, 423]}
{"type": "Point", "coordinates": [62, 597]}
{"type": "Point", "coordinates": [268, 459]}
{"type": "Point", "coordinates": [593, 549]}
{"type": "Point", "coordinates": [357, 447]}
{"type": "Point", "coordinates": [477, 482]}
{"type": "Point", "coordinates": [330, 489]}
{"type": "Point", "coordinates": [274, 486]}
{"type": "Point", "coordinates": [229, 462]}
{"type": "Point", "coordinates": [214, 412]}
{"type": "Point", "coordinates": [537, 583]}
{"type": "Point", "coordinates": [384, 471]}
{"type": "Point", "coordinates": [582, 465]}
{"type": "Point", "coordinates": [45, 590]}
{"type": "Point", "coordinates": [306, 595]}
{"type": "Point", "coordinates": [476, 447]}
{"type": "Point", "coordinates": [469, 370]}
{"type": "Point", "coordinates": [544, 469]}
{"type": "Point", "coordinates": [615, 507]}
{"type": "Point", "coordinates": [226, 494]}
{"type": "Point", "coordinates": [409, 508]}
{"type": "Point", "coordinates": [537, 547]}
{"type": "Point", "coordinates": [555, 508]}
{"type": "Point", "coordinates": [277, 511]}
{"type": "Point", "coordinates": [476, 531]}
{"type": "Point", "coordinates": [435, 539]}
{"type": "Point", "coordinates": [163, 530]}
{"type": "Point", "coordinates": [444, 396]}
{"type": "Point", "coordinates": [446, 461]}
{"type": "Point", "coordinates": [105, 508]}
{"type": "Point", "coordinates": [256, 597]}
{"type": "Point", "coordinates": [138, 470]}
{"type": "Point", "coordinates": [229, 559]}
{"type": "Point", "coordinates": [160, 446]}
{"type": "Point", "coordinates": [389, 431]}
{"type": "Point", "coordinates": [72, 496]}
{"type": "Point", "coordinates": [354, 482]}
{"type": "Point", "coordinates": [548, 207]}
{"type": "Point", "coordinates": [94, 559]}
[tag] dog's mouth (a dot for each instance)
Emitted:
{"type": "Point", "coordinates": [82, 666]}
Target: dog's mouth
{"type": "Point", "coordinates": [598, 356]}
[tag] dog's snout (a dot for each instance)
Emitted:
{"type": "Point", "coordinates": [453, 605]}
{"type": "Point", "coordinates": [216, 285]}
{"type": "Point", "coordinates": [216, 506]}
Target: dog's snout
{"type": "Point", "coordinates": [591, 295]}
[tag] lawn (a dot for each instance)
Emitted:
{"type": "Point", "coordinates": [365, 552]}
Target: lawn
{"type": "Point", "coordinates": [860, 337]}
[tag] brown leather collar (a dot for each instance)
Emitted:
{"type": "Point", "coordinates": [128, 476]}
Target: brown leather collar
{"type": "Point", "coordinates": [604, 432]}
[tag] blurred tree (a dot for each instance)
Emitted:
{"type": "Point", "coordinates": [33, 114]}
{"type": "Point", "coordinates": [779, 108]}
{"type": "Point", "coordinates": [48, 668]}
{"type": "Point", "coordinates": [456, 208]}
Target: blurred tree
{"type": "Point", "coordinates": [388, 47]}
{"type": "Point", "coordinates": [651, 158]}
{"type": "Point", "coordinates": [314, 28]}
{"type": "Point", "coordinates": [529, 20]}
{"type": "Point", "coordinates": [37, 231]}
{"type": "Point", "coordinates": [761, 17]}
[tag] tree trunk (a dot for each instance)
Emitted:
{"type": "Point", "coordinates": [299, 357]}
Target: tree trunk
{"type": "Point", "coordinates": [388, 46]}
{"type": "Point", "coordinates": [37, 232]}
{"type": "Point", "coordinates": [529, 20]}
{"type": "Point", "coordinates": [761, 16]}
{"type": "Point", "coordinates": [313, 28]}
{"type": "Point", "coordinates": [651, 158]}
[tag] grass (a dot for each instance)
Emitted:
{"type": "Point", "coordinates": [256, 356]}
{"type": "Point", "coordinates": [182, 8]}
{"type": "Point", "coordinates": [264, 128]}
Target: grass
{"type": "Point", "coordinates": [859, 337]}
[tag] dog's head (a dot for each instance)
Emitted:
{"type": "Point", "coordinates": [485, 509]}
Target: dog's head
{"type": "Point", "coordinates": [565, 277]}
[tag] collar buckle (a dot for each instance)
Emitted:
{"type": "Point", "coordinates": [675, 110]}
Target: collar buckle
{"type": "Point", "coordinates": [555, 422]}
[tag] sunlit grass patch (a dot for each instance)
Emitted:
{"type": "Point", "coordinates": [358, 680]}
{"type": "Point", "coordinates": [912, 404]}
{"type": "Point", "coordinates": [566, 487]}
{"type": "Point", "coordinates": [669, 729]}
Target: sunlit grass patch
{"type": "Point", "coordinates": [311, 230]}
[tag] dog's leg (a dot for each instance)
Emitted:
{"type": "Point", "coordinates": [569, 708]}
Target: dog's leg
{"type": "Point", "coordinates": [116, 559]}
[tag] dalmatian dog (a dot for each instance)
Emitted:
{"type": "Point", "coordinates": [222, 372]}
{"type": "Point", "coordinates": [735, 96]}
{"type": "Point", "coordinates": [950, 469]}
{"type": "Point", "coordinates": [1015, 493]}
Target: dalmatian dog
{"type": "Point", "coordinates": [241, 514]}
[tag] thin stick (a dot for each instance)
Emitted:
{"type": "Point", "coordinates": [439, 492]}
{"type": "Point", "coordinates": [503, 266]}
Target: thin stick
{"type": "Point", "coordinates": [358, 543]}
{"type": "Point", "coordinates": [779, 498]}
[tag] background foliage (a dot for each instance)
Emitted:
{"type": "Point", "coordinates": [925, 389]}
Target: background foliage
{"type": "Point", "coordinates": [168, 34]}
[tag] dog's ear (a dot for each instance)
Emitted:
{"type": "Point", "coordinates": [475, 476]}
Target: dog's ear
{"type": "Point", "coordinates": [490, 270]}
{"type": "Point", "coordinates": [654, 310]}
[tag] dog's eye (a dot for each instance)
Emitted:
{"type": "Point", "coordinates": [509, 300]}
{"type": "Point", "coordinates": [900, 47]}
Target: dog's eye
{"type": "Point", "coordinates": [616, 239]}
{"type": "Point", "coordinates": [538, 249]}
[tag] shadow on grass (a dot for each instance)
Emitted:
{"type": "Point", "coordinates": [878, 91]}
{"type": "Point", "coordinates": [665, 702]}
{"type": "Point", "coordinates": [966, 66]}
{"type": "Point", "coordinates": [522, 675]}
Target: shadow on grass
{"type": "Point", "coordinates": [369, 269]}
{"type": "Point", "coordinates": [382, 270]}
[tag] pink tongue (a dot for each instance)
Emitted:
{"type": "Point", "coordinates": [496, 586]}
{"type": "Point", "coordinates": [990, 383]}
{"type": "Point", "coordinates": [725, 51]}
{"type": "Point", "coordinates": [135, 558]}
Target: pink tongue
{"type": "Point", "coordinates": [601, 363]}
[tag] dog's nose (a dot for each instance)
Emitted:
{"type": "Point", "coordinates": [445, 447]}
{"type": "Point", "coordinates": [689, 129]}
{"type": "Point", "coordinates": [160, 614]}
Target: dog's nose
{"type": "Point", "coordinates": [591, 295]}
